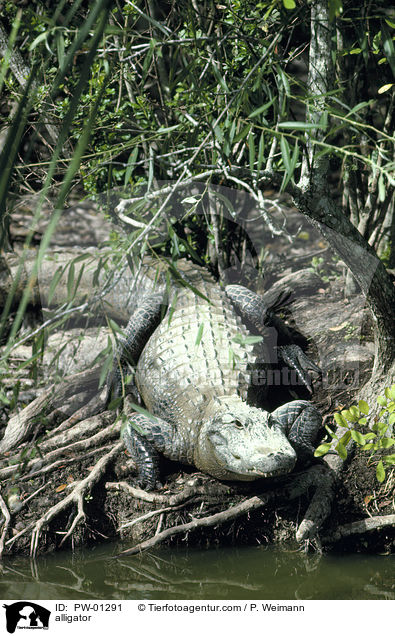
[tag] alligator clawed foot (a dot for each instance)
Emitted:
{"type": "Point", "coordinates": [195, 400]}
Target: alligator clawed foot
{"type": "Point", "coordinates": [295, 358]}
{"type": "Point", "coordinates": [148, 486]}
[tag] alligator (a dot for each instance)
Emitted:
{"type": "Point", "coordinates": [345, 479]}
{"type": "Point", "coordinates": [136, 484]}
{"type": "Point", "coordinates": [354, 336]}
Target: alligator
{"type": "Point", "coordinates": [192, 346]}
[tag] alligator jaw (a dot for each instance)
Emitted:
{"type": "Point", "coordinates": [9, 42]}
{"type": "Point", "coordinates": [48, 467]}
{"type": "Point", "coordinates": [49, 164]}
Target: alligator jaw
{"type": "Point", "coordinates": [253, 473]}
{"type": "Point", "coordinates": [222, 468]}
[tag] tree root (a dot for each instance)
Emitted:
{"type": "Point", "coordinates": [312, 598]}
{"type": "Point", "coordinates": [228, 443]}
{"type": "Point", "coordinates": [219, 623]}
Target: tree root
{"type": "Point", "coordinates": [360, 527]}
{"type": "Point", "coordinates": [190, 492]}
{"type": "Point", "coordinates": [76, 496]}
{"type": "Point", "coordinates": [7, 519]}
{"type": "Point", "coordinates": [20, 426]}
{"type": "Point", "coordinates": [105, 434]}
{"type": "Point", "coordinates": [61, 463]}
{"type": "Point", "coordinates": [212, 520]}
{"type": "Point", "coordinates": [314, 477]}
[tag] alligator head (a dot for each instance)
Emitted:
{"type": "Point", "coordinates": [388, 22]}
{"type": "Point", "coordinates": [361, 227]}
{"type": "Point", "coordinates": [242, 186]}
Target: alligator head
{"type": "Point", "coordinates": [242, 443]}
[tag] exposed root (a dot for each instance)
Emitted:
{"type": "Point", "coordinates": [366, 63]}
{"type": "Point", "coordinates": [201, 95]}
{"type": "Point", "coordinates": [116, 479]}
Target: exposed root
{"type": "Point", "coordinates": [190, 492]}
{"type": "Point", "coordinates": [75, 429]}
{"type": "Point", "coordinates": [220, 517]}
{"type": "Point", "coordinates": [313, 477]}
{"type": "Point", "coordinates": [62, 447]}
{"type": "Point", "coordinates": [360, 527]}
{"type": "Point", "coordinates": [63, 462]}
{"type": "Point", "coordinates": [22, 425]}
{"type": "Point", "coordinates": [149, 515]}
{"type": "Point", "coordinates": [7, 519]}
{"type": "Point", "coordinates": [76, 496]}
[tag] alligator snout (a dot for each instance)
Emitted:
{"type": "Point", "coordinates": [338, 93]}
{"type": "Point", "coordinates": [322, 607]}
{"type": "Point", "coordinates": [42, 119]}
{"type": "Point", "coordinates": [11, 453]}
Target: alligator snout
{"type": "Point", "coordinates": [267, 462]}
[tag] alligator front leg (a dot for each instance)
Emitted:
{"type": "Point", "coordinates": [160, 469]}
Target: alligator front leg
{"type": "Point", "coordinates": [141, 325]}
{"type": "Point", "coordinates": [252, 307]}
{"type": "Point", "coordinates": [300, 421]}
{"type": "Point", "coordinates": [145, 437]}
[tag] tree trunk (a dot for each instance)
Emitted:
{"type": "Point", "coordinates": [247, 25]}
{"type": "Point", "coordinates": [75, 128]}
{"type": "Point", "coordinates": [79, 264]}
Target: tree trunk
{"type": "Point", "coordinates": [313, 199]}
{"type": "Point", "coordinates": [21, 72]}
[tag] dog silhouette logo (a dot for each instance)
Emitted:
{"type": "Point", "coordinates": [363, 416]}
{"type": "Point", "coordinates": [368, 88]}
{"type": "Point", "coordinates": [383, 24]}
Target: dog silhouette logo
{"type": "Point", "coordinates": [26, 615]}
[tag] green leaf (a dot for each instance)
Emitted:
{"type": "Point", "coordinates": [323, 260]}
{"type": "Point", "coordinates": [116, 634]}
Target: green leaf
{"type": "Point", "coordinates": [388, 47]}
{"type": "Point", "coordinates": [115, 403]}
{"type": "Point", "coordinates": [4, 399]}
{"type": "Point", "coordinates": [322, 449]}
{"type": "Point", "coordinates": [130, 165]}
{"type": "Point", "coordinates": [220, 79]}
{"type": "Point", "coordinates": [363, 407]}
{"type": "Point", "coordinates": [299, 125]}
{"type": "Point", "coordinates": [261, 109]}
{"type": "Point", "coordinates": [192, 200]}
{"type": "Point", "coordinates": [380, 472]}
{"type": "Point", "coordinates": [345, 438]}
{"type": "Point", "coordinates": [38, 39]}
{"type": "Point", "coordinates": [381, 186]}
{"type": "Point", "coordinates": [387, 442]}
{"type": "Point", "coordinates": [358, 438]}
{"type": "Point", "coordinates": [355, 412]}
{"type": "Point", "coordinates": [251, 150]}
{"type": "Point", "coordinates": [340, 420]}
{"type": "Point", "coordinates": [261, 151]}
{"type": "Point", "coordinates": [340, 448]}
{"type": "Point", "coordinates": [348, 414]}
{"type": "Point", "coordinates": [219, 134]}
{"type": "Point", "coordinates": [243, 133]}
{"type": "Point", "coordinates": [335, 9]}
{"type": "Point", "coordinates": [389, 459]}
{"type": "Point", "coordinates": [289, 4]}
{"type": "Point", "coordinates": [331, 433]}
{"type": "Point", "coordinates": [285, 152]}
{"type": "Point", "coordinates": [167, 129]}
{"type": "Point", "coordinates": [70, 282]}
{"type": "Point", "coordinates": [382, 427]}
{"type": "Point", "coordinates": [199, 334]}
{"type": "Point", "coordinates": [384, 88]}
{"type": "Point", "coordinates": [357, 108]}
{"type": "Point", "coordinates": [246, 340]}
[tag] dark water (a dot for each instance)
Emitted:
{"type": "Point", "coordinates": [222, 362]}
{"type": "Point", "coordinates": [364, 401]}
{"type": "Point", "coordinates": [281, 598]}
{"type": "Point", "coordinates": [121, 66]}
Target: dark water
{"type": "Point", "coordinates": [243, 573]}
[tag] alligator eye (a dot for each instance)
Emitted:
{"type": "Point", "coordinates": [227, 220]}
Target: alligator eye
{"type": "Point", "coordinates": [238, 424]}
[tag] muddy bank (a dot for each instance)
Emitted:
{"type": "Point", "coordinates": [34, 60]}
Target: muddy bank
{"type": "Point", "coordinates": [66, 482]}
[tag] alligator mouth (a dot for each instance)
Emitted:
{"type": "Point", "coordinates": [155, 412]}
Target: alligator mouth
{"type": "Point", "coordinates": [251, 473]}
{"type": "Point", "coordinates": [270, 473]}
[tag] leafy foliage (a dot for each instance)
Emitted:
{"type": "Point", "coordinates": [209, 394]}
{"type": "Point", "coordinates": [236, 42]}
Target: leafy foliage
{"type": "Point", "coordinates": [206, 87]}
{"type": "Point", "coordinates": [378, 438]}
